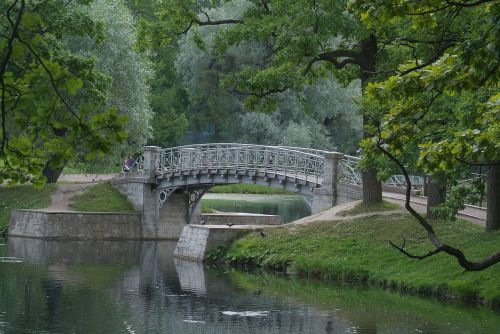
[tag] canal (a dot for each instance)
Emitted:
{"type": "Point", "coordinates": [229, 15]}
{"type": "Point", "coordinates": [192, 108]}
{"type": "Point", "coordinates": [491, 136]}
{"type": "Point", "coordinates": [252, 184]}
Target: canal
{"type": "Point", "coordinates": [138, 287]}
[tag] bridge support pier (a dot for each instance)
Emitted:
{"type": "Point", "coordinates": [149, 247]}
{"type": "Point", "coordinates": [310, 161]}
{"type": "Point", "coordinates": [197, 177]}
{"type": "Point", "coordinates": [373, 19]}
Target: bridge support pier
{"type": "Point", "coordinates": [326, 196]}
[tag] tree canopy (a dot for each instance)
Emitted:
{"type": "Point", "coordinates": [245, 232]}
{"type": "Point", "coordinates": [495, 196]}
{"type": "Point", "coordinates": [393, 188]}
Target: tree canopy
{"type": "Point", "coordinates": [443, 100]}
{"type": "Point", "coordinates": [39, 77]}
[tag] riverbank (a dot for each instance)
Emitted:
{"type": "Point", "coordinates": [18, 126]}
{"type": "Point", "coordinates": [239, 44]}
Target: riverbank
{"type": "Point", "coordinates": [357, 251]}
{"type": "Point", "coordinates": [94, 196]}
{"type": "Point", "coordinates": [22, 197]}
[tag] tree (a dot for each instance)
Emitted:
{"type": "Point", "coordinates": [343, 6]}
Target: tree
{"type": "Point", "coordinates": [38, 78]}
{"type": "Point", "coordinates": [450, 84]}
{"type": "Point", "coordinates": [169, 98]}
{"type": "Point", "coordinates": [128, 71]}
{"type": "Point", "coordinates": [303, 40]}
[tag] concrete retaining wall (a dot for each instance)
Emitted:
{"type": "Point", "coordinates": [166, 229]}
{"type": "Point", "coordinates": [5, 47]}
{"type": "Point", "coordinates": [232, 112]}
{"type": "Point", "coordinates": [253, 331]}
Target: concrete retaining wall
{"type": "Point", "coordinates": [223, 218]}
{"type": "Point", "coordinates": [196, 241]}
{"type": "Point", "coordinates": [73, 225]}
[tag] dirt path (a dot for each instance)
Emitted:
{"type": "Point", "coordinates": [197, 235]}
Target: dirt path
{"type": "Point", "coordinates": [65, 191]}
{"type": "Point", "coordinates": [332, 214]}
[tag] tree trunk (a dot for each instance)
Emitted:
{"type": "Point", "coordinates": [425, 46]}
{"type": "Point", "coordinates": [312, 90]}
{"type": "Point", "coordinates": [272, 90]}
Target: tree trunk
{"type": "Point", "coordinates": [52, 174]}
{"type": "Point", "coordinates": [436, 194]}
{"type": "Point", "coordinates": [493, 198]}
{"type": "Point", "coordinates": [372, 188]}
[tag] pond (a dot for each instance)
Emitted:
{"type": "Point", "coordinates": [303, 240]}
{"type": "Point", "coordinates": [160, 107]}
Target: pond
{"type": "Point", "coordinates": [289, 207]}
{"type": "Point", "coordinates": [138, 287]}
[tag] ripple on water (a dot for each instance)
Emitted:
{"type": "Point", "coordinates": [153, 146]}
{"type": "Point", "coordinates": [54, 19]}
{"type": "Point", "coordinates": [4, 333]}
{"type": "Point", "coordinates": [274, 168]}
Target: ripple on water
{"type": "Point", "coordinates": [247, 313]}
{"type": "Point", "coordinates": [194, 321]}
{"type": "Point", "coordinates": [9, 259]}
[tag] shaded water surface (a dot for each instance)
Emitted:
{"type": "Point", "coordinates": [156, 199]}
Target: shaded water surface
{"type": "Point", "coordinates": [289, 207]}
{"type": "Point", "coordinates": [138, 287]}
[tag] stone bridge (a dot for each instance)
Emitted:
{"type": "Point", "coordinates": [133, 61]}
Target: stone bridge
{"type": "Point", "coordinates": [170, 182]}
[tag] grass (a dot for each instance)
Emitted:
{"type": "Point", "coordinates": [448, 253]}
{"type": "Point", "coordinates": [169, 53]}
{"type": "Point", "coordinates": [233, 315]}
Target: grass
{"type": "Point", "coordinates": [362, 208]}
{"type": "Point", "coordinates": [101, 198]}
{"type": "Point", "coordinates": [22, 197]}
{"type": "Point", "coordinates": [205, 209]}
{"type": "Point", "coordinates": [243, 188]}
{"type": "Point", "coordinates": [357, 251]}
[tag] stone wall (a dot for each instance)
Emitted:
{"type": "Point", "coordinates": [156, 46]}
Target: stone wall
{"type": "Point", "coordinates": [73, 225]}
{"type": "Point", "coordinates": [196, 241]}
{"type": "Point", "coordinates": [132, 186]}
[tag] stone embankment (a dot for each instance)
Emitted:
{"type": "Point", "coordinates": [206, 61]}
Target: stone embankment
{"type": "Point", "coordinates": [74, 225]}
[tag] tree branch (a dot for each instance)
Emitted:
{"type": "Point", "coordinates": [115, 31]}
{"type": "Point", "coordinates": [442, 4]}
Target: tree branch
{"type": "Point", "coordinates": [455, 252]}
{"type": "Point", "coordinates": [3, 67]}
{"type": "Point", "coordinates": [467, 4]}
{"type": "Point", "coordinates": [434, 58]}
{"type": "Point", "coordinates": [263, 93]}
{"type": "Point", "coordinates": [209, 22]}
{"type": "Point", "coordinates": [350, 57]}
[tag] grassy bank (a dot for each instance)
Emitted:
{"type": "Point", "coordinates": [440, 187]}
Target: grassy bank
{"type": "Point", "coordinates": [357, 251]}
{"type": "Point", "coordinates": [101, 198]}
{"type": "Point", "coordinates": [243, 188]}
{"type": "Point", "coordinates": [22, 197]}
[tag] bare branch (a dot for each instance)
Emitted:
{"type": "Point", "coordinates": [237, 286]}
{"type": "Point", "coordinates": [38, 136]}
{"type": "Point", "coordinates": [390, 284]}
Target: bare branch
{"type": "Point", "coordinates": [419, 257]}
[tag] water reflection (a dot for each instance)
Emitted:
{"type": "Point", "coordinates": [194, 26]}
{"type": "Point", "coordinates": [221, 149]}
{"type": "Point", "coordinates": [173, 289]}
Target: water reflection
{"type": "Point", "coordinates": [191, 276]}
{"type": "Point", "coordinates": [138, 287]}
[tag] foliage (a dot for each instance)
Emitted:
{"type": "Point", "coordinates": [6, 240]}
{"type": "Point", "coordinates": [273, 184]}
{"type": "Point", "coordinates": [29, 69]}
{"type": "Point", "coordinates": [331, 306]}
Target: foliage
{"type": "Point", "coordinates": [129, 72]}
{"type": "Point", "coordinates": [444, 98]}
{"type": "Point", "coordinates": [22, 197]}
{"type": "Point", "coordinates": [456, 198]}
{"type": "Point", "coordinates": [101, 198]}
{"type": "Point", "coordinates": [169, 97]}
{"type": "Point", "coordinates": [299, 42]}
{"type": "Point", "coordinates": [357, 251]}
{"type": "Point", "coordinates": [319, 116]}
{"type": "Point", "coordinates": [39, 79]}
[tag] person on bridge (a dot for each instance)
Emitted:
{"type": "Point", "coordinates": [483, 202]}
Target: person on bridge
{"type": "Point", "coordinates": [127, 165]}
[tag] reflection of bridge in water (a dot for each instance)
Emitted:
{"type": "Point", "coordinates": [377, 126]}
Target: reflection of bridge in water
{"type": "Point", "coordinates": [170, 182]}
{"type": "Point", "coordinates": [154, 292]}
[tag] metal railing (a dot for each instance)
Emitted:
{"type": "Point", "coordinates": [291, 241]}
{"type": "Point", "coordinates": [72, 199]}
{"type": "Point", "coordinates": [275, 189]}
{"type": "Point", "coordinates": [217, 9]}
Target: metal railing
{"type": "Point", "coordinates": [349, 171]}
{"type": "Point", "coordinates": [304, 163]}
{"type": "Point", "coordinates": [280, 160]}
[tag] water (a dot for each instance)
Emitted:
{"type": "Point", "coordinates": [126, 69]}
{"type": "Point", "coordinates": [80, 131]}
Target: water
{"type": "Point", "coordinates": [138, 287]}
{"type": "Point", "coordinates": [289, 207]}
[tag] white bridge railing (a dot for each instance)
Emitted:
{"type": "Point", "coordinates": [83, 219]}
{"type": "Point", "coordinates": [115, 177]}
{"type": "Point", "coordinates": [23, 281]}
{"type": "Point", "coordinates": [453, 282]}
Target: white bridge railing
{"type": "Point", "coordinates": [304, 163]}
{"type": "Point", "coordinates": [280, 160]}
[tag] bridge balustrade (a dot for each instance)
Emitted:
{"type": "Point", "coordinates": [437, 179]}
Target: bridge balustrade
{"type": "Point", "coordinates": [303, 163]}
{"type": "Point", "coordinates": [244, 157]}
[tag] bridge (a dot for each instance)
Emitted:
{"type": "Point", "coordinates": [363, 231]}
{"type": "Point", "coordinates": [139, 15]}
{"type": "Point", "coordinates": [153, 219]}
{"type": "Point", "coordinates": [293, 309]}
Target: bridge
{"type": "Point", "coordinates": [169, 183]}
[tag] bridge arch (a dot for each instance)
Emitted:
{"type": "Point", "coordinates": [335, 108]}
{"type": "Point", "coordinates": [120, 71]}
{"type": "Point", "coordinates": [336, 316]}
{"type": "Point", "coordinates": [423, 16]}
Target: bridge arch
{"type": "Point", "coordinates": [196, 168]}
